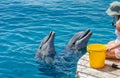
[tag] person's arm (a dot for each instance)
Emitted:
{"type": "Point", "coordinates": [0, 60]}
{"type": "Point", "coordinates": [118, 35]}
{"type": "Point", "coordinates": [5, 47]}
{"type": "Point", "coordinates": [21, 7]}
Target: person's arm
{"type": "Point", "coordinates": [115, 46]}
{"type": "Point", "coordinates": [118, 26]}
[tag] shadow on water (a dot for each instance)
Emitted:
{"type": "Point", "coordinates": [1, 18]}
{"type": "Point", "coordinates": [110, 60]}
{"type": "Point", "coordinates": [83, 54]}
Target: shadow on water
{"type": "Point", "coordinates": [64, 66]}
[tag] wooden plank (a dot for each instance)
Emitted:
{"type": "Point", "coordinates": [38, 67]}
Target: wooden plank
{"type": "Point", "coordinates": [85, 71]}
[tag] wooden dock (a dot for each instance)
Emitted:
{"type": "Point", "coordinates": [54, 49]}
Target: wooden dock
{"type": "Point", "coordinates": [85, 71]}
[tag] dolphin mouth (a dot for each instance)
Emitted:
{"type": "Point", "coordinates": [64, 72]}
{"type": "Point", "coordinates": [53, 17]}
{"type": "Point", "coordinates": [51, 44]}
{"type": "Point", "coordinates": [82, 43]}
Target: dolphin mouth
{"type": "Point", "coordinates": [80, 39]}
{"type": "Point", "coordinates": [50, 36]}
{"type": "Point", "coordinates": [86, 34]}
{"type": "Point", "coordinates": [83, 39]}
{"type": "Point", "coordinates": [46, 51]}
{"type": "Point", "coordinates": [48, 39]}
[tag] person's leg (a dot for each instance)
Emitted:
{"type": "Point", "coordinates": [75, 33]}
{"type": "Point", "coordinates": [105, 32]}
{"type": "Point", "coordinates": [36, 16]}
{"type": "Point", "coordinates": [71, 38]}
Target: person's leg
{"type": "Point", "coordinates": [117, 53]}
{"type": "Point", "coordinates": [114, 53]}
{"type": "Point", "coordinates": [110, 54]}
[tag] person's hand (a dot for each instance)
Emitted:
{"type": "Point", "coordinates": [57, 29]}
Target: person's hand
{"type": "Point", "coordinates": [109, 49]}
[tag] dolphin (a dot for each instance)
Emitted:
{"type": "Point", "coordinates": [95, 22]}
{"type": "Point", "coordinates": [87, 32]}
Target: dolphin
{"type": "Point", "coordinates": [79, 40]}
{"type": "Point", "coordinates": [46, 50]}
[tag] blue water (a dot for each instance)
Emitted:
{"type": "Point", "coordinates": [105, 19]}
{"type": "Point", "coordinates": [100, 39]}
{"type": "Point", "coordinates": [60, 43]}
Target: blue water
{"type": "Point", "coordinates": [24, 23]}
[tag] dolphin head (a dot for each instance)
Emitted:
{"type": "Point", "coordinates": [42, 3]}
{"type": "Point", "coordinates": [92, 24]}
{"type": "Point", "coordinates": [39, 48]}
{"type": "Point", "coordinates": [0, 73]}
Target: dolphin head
{"type": "Point", "coordinates": [46, 51]}
{"type": "Point", "coordinates": [80, 40]}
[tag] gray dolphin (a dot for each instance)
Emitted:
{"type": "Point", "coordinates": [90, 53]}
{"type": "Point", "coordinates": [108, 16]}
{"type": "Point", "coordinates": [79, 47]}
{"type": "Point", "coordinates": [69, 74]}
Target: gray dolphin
{"type": "Point", "coordinates": [79, 40]}
{"type": "Point", "coordinates": [46, 51]}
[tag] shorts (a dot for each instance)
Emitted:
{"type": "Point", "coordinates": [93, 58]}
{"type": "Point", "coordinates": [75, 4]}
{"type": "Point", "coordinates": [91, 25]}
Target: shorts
{"type": "Point", "coordinates": [117, 53]}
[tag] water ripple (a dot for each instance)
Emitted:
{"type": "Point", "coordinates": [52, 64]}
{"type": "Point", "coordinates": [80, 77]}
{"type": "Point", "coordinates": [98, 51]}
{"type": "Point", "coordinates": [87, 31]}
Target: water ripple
{"type": "Point", "coordinates": [24, 23]}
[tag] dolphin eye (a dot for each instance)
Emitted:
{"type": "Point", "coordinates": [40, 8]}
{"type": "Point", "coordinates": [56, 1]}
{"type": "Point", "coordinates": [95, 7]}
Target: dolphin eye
{"type": "Point", "coordinates": [73, 43]}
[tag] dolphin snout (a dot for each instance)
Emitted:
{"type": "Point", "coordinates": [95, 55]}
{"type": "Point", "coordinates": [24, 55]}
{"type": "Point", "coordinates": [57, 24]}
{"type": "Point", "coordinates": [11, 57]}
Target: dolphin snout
{"type": "Point", "coordinates": [86, 34]}
{"type": "Point", "coordinates": [51, 37]}
{"type": "Point", "coordinates": [80, 40]}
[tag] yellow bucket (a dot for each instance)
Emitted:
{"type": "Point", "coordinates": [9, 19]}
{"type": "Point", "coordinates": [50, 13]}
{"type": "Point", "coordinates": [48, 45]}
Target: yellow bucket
{"type": "Point", "coordinates": [96, 55]}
